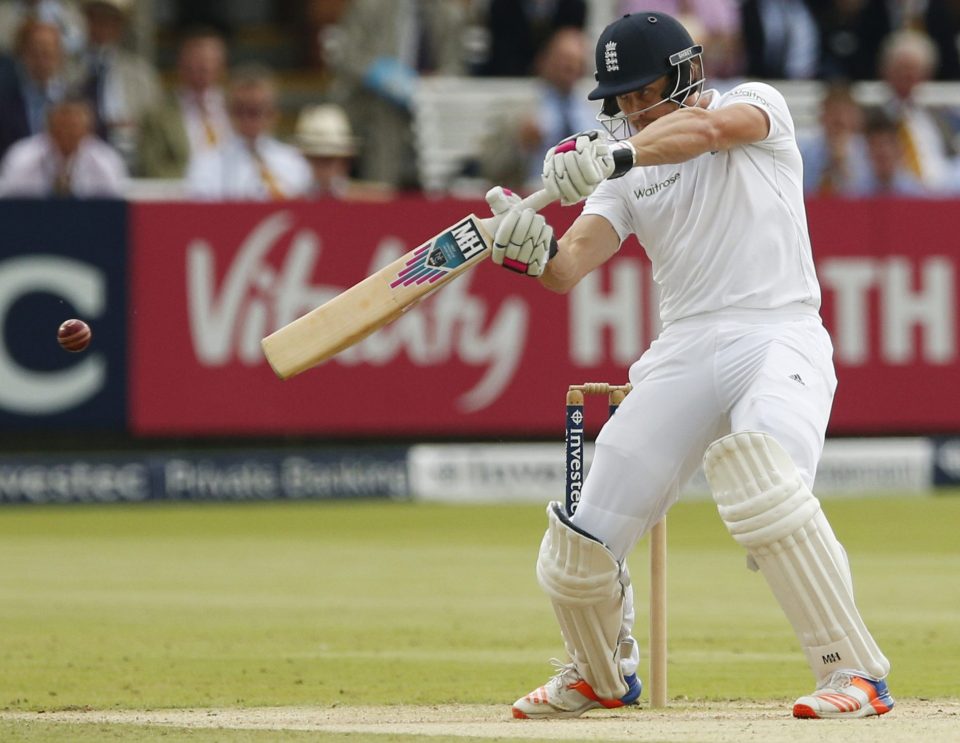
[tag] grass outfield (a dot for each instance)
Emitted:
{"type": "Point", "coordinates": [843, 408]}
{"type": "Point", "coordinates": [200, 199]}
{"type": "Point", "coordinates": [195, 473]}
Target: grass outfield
{"type": "Point", "coordinates": [320, 604]}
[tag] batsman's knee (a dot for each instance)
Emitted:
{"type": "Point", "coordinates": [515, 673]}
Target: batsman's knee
{"type": "Point", "coordinates": [768, 508]}
{"type": "Point", "coordinates": [759, 491]}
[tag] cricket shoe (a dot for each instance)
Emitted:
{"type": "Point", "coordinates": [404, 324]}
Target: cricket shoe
{"type": "Point", "coordinates": [845, 694]}
{"type": "Point", "coordinates": [568, 694]}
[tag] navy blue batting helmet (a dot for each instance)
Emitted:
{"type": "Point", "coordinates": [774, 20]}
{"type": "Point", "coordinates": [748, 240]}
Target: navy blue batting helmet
{"type": "Point", "coordinates": [639, 48]}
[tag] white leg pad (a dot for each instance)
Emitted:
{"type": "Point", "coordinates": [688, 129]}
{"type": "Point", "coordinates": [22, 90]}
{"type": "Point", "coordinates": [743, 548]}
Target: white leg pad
{"type": "Point", "coordinates": [586, 586]}
{"type": "Point", "coordinates": [771, 512]}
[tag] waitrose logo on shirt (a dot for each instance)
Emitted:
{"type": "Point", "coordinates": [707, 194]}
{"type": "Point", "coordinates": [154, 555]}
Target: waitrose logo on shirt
{"type": "Point", "coordinates": [642, 193]}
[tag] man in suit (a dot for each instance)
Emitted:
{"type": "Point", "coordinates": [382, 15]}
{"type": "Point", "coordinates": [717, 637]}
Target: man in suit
{"type": "Point", "coordinates": [194, 119]}
{"type": "Point", "coordinates": [122, 85]}
{"type": "Point", "coordinates": [32, 83]}
{"type": "Point", "coordinates": [383, 49]}
{"type": "Point", "coordinates": [908, 59]}
{"type": "Point", "coordinates": [781, 39]}
{"type": "Point", "coordinates": [519, 29]}
{"type": "Point", "coordinates": [251, 164]}
{"type": "Point", "coordinates": [512, 153]}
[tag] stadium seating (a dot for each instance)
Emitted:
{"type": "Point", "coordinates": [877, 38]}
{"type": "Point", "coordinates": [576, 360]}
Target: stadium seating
{"type": "Point", "coordinates": [452, 114]}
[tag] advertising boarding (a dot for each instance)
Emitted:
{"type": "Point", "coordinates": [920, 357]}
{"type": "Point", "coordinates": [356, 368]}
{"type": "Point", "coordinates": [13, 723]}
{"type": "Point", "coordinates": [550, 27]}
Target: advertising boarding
{"type": "Point", "coordinates": [491, 354]}
{"type": "Point", "coordinates": [61, 259]}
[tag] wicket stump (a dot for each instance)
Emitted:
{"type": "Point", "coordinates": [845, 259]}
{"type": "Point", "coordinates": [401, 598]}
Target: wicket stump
{"type": "Point", "coordinates": [574, 440]}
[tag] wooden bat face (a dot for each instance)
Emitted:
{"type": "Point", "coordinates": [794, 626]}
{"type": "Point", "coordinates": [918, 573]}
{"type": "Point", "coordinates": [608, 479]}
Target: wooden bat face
{"type": "Point", "coordinates": [383, 296]}
{"type": "Point", "coordinates": [377, 300]}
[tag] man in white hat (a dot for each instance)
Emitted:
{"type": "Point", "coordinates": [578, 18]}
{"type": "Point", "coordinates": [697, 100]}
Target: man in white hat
{"type": "Point", "coordinates": [325, 138]}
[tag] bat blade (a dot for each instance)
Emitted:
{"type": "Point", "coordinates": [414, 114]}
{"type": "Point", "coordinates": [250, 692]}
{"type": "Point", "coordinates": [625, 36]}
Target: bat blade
{"type": "Point", "coordinates": [385, 295]}
{"type": "Point", "coordinates": [377, 300]}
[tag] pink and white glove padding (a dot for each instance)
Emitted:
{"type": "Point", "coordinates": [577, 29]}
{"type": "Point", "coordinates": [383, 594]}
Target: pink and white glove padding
{"type": "Point", "coordinates": [576, 165]}
{"type": "Point", "coordinates": [523, 241]}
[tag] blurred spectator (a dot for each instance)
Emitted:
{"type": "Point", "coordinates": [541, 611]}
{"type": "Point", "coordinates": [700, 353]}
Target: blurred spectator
{"type": "Point", "coordinates": [65, 160]}
{"type": "Point", "coordinates": [320, 18]}
{"type": "Point", "coordinates": [122, 85]}
{"type": "Point", "coordinates": [60, 13]}
{"type": "Point", "coordinates": [37, 80]}
{"type": "Point", "coordinates": [251, 164]}
{"type": "Point", "coordinates": [518, 30]}
{"type": "Point", "coordinates": [383, 47]}
{"type": "Point", "coordinates": [835, 157]}
{"type": "Point", "coordinates": [907, 60]}
{"type": "Point", "coordinates": [851, 34]}
{"type": "Point", "coordinates": [713, 23]}
{"type": "Point", "coordinates": [888, 174]}
{"type": "Point", "coordinates": [940, 20]}
{"type": "Point", "coordinates": [325, 139]}
{"type": "Point", "coordinates": [781, 39]}
{"type": "Point", "coordinates": [512, 155]}
{"type": "Point", "coordinates": [194, 118]}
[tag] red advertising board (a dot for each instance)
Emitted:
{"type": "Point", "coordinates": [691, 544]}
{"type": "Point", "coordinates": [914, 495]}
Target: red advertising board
{"type": "Point", "coordinates": [889, 271]}
{"type": "Point", "coordinates": [492, 353]}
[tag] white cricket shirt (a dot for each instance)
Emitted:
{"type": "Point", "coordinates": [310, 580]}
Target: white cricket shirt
{"type": "Point", "coordinates": [726, 229]}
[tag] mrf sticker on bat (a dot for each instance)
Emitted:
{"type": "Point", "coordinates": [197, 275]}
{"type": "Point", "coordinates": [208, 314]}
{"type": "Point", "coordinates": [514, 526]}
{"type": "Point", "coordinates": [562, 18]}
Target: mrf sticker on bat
{"type": "Point", "coordinates": [447, 251]}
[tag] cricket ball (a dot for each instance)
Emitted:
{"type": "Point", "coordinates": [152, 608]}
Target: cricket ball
{"type": "Point", "coordinates": [74, 335]}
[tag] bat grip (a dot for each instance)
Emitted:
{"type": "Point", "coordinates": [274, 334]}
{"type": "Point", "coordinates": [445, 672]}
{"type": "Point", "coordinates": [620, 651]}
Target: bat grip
{"type": "Point", "coordinates": [537, 200]}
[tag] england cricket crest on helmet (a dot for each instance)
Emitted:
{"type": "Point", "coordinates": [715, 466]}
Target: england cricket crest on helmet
{"type": "Point", "coordinates": [636, 50]}
{"type": "Point", "coordinates": [610, 56]}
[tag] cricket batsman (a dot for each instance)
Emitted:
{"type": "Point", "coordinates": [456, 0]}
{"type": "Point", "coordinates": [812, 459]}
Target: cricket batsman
{"type": "Point", "coordinates": [741, 377]}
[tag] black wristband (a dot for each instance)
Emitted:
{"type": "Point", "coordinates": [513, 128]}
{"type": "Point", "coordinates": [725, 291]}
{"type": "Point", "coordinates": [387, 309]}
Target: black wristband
{"type": "Point", "coordinates": [622, 160]}
{"type": "Point", "coordinates": [554, 248]}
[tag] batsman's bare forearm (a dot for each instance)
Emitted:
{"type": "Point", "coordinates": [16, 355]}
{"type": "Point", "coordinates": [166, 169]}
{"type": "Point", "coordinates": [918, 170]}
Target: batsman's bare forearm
{"type": "Point", "coordinates": [691, 132]}
{"type": "Point", "coordinates": [590, 242]}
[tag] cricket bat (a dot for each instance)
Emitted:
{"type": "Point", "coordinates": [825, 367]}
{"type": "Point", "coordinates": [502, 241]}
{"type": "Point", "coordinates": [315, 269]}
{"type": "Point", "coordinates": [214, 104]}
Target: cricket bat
{"type": "Point", "coordinates": [385, 295]}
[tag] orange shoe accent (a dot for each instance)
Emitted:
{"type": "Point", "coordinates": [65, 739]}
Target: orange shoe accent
{"type": "Point", "coordinates": [865, 686]}
{"type": "Point", "coordinates": [584, 688]}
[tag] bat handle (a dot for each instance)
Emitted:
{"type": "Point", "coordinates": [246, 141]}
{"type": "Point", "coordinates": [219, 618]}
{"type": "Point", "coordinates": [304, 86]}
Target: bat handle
{"type": "Point", "coordinates": [537, 200]}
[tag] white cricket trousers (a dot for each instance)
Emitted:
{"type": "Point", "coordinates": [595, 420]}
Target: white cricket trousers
{"type": "Point", "coordinates": [705, 377]}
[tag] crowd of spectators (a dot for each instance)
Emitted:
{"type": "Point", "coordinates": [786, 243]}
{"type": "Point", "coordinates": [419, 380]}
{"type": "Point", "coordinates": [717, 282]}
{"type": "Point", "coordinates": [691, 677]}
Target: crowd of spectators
{"type": "Point", "coordinates": [82, 113]}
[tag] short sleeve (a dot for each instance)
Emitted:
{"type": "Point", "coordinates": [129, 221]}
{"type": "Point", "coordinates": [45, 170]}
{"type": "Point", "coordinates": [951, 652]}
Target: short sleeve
{"type": "Point", "coordinates": [769, 100]}
{"type": "Point", "coordinates": [608, 202]}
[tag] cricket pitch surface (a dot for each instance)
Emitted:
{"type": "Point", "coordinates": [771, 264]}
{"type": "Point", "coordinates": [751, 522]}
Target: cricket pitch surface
{"type": "Point", "coordinates": [682, 722]}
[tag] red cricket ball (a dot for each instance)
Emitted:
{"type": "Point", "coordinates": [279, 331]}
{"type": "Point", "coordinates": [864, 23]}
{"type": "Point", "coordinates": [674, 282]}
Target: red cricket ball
{"type": "Point", "coordinates": [74, 335]}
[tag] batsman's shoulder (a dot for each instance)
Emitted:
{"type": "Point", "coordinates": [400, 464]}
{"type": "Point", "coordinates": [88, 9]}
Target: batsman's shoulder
{"type": "Point", "coordinates": [757, 93]}
{"type": "Point", "coordinates": [768, 99]}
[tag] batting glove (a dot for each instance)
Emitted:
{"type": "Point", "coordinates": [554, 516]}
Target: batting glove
{"type": "Point", "coordinates": [574, 167]}
{"type": "Point", "coordinates": [501, 199]}
{"type": "Point", "coordinates": [523, 241]}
